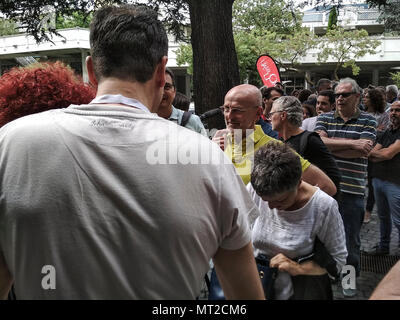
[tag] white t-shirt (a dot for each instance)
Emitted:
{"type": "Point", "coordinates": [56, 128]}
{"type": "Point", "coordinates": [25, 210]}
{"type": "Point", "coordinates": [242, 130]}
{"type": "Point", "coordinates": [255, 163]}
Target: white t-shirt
{"type": "Point", "coordinates": [292, 233]}
{"type": "Point", "coordinates": [86, 190]}
{"type": "Point", "coordinates": [309, 124]}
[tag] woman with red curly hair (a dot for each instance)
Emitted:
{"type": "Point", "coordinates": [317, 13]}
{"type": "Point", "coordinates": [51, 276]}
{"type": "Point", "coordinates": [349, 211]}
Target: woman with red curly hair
{"type": "Point", "coordinates": [40, 87]}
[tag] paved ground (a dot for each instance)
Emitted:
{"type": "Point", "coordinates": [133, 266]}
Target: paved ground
{"type": "Point", "coordinates": [367, 281]}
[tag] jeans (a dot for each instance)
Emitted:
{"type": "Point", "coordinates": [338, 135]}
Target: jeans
{"type": "Point", "coordinates": [370, 199]}
{"type": "Point", "coordinates": [351, 208]}
{"type": "Point", "coordinates": [387, 196]}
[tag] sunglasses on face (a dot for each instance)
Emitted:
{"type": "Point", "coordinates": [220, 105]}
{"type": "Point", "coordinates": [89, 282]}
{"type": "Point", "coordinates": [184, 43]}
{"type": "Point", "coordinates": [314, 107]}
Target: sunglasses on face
{"type": "Point", "coordinates": [343, 94]}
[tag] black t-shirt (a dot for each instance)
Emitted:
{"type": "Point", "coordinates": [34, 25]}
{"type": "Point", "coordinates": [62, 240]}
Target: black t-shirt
{"type": "Point", "coordinates": [388, 170]}
{"type": "Point", "coordinates": [318, 154]}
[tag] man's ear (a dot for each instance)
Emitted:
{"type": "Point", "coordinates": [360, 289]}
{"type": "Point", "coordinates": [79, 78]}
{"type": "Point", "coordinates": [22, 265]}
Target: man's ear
{"type": "Point", "coordinates": [160, 72]}
{"type": "Point", "coordinates": [90, 70]}
{"type": "Point", "coordinates": [258, 114]}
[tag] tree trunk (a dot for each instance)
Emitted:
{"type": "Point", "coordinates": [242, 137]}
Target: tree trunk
{"type": "Point", "coordinates": [215, 65]}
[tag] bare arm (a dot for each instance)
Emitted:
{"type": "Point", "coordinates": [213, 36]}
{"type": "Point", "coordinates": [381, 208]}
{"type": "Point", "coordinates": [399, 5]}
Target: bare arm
{"type": "Point", "coordinates": [237, 273]}
{"type": "Point", "coordinates": [283, 263]}
{"type": "Point", "coordinates": [347, 148]}
{"type": "Point", "coordinates": [6, 279]}
{"type": "Point", "coordinates": [389, 287]}
{"type": "Point", "coordinates": [316, 177]}
{"type": "Point", "coordinates": [379, 154]}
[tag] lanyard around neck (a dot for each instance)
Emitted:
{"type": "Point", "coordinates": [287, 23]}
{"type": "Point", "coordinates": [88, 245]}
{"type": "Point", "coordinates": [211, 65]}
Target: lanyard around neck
{"type": "Point", "coordinates": [120, 99]}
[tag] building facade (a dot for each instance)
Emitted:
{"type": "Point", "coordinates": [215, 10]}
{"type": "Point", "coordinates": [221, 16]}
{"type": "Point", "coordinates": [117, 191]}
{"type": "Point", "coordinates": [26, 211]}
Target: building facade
{"type": "Point", "coordinates": [375, 69]}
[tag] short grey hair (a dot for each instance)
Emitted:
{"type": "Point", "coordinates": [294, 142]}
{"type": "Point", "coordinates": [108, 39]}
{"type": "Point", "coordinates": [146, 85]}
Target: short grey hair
{"type": "Point", "coordinates": [355, 87]}
{"type": "Point", "coordinates": [277, 169]}
{"type": "Point", "coordinates": [293, 109]}
{"type": "Point", "coordinates": [393, 89]}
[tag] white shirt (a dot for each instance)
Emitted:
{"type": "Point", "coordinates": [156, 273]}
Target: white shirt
{"type": "Point", "coordinates": [292, 233]}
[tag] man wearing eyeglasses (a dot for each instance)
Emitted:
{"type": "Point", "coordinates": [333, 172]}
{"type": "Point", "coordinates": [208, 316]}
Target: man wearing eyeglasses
{"type": "Point", "coordinates": [349, 134]}
{"type": "Point", "coordinates": [242, 137]}
{"type": "Point", "coordinates": [386, 180]}
{"type": "Point", "coordinates": [167, 111]}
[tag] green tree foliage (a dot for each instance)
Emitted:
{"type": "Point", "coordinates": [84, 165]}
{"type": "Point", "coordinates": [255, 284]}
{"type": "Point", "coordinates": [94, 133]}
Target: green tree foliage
{"type": "Point", "coordinates": [77, 19]}
{"type": "Point", "coordinates": [396, 78]}
{"type": "Point", "coordinates": [343, 47]}
{"type": "Point", "coordinates": [332, 21]}
{"type": "Point", "coordinates": [267, 15]}
{"type": "Point", "coordinates": [389, 13]}
{"type": "Point", "coordinates": [268, 27]}
{"type": "Point", "coordinates": [184, 55]}
{"type": "Point", "coordinates": [8, 27]}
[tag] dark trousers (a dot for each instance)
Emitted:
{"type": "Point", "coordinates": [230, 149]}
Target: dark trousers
{"type": "Point", "coordinates": [351, 208]}
{"type": "Point", "coordinates": [371, 197]}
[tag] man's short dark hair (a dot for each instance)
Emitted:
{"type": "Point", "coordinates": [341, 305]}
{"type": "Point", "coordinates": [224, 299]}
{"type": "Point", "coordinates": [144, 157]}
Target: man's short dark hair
{"type": "Point", "coordinates": [171, 74]}
{"type": "Point", "coordinates": [266, 92]}
{"type": "Point", "coordinates": [127, 42]}
{"type": "Point", "coordinates": [322, 82]}
{"type": "Point", "coordinates": [277, 169]}
{"type": "Point", "coordinates": [328, 93]}
{"type": "Point", "coordinates": [181, 102]}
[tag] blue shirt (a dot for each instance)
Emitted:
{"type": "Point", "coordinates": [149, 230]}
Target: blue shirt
{"type": "Point", "coordinates": [193, 124]}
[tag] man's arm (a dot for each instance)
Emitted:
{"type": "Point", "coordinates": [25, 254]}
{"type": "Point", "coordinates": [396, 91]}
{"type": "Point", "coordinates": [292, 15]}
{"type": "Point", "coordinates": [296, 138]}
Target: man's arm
{"type": "Point", "coordinates": [237, 273]}
{"type": "Point", "coordinates": [389, 287]}
{"type": "Point", "coordinates": [6, 280]}
{"type": "Point", "coordinates": [347, 148]}
{"type": "Point", "coordinates": [379, 154]}
{"type": "Point", "coordinates": [316, 177]}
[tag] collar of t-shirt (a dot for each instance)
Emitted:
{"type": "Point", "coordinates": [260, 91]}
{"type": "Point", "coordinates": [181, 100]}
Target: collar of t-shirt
{"type": "Point", "coordinates": [354, 116]}
{"type": "Point", "coordinates": [120, 99]}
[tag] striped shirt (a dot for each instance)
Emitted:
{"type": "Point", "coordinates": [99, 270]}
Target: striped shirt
{"type": "Point", "coordinates": [361, 125]}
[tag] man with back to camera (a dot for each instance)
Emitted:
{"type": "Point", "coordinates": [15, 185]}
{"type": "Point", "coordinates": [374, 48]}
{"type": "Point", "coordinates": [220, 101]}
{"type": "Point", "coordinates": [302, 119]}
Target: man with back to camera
{"type": "Point", "coordinates": [242, 137]}
{"type": "Point", "coordinates": [81, 199]}
{"type": "Point", "coordinates": [167, 111]}
{"type": "Point", "coordinates": [349, 134]}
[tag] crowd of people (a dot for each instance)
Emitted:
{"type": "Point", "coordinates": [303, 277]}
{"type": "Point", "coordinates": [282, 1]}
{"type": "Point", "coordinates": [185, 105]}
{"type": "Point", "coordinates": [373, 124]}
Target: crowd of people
{"type": "Point", "coordinates": [94, 188]}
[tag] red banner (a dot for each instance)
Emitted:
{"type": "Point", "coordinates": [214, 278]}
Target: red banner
{"type": "Point", "coordinates": [268, 70]}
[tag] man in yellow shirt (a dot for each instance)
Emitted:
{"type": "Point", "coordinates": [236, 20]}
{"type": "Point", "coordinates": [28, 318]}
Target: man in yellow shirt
{"type": "Point", "coordinates": [242, 137]}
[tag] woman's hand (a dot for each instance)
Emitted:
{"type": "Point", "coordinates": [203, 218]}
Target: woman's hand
{"type": "Point", "coordinates": [283, 263]}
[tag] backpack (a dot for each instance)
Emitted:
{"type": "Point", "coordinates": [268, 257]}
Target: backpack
{"type": "Point", "coordinates": [304, 141]}
{"type": "Point", "coordinates": [185, 118]}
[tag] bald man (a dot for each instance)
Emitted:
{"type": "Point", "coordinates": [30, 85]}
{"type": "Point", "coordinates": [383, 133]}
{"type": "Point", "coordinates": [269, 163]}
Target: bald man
{"type": "Point", "coordinates": [242, 137]}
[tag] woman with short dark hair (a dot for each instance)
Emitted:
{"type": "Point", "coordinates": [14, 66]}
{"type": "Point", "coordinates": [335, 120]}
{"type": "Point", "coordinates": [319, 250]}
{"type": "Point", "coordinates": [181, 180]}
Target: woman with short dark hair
{"type": "Point", "coordinates": [293, 215]}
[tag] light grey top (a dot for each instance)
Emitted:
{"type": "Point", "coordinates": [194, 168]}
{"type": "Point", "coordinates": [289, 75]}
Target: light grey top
{"type": "Point", "coordinates": [194, 122]}
{"type": "Point", "coordinates": [293, 233]}
{"type": "Point", "coordinates": [85, 190]}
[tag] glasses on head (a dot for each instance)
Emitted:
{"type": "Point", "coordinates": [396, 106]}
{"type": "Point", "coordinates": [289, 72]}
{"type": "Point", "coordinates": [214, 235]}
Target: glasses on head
{"type": "Point", "coordinates": [168, 86]}
{"type": "Point", "coordinates": [343, 94]}
{"type": "Point", "coordinates": [234, 110]}
{"type": "Point", "coordinates": [269, 114]}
